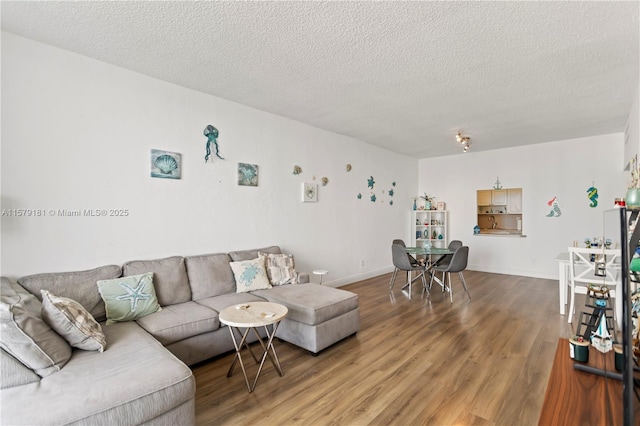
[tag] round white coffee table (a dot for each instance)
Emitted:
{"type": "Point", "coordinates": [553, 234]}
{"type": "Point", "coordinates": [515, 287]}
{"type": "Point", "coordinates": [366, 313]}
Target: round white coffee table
{"type": "Point", "coordinates": [250, 316]}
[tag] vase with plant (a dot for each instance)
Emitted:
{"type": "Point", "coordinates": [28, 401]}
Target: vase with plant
{"type": "Point", "coordinates": [428, 201]}
{"type": "Point", "coordinates": [633, 192]}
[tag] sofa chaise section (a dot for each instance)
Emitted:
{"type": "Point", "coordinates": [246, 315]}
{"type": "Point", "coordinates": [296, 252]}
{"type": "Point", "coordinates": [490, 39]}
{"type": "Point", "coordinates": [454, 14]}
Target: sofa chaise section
{"type": "Point", "coordinates": [134, 381]}
{"type": "Point", "coordinates": [318, 317]}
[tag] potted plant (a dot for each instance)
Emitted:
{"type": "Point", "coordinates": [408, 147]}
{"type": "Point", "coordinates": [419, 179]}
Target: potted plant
{"type": "Point", "coordinates": [428, 201]}
{"type": "Point", "coordinates": [633, 193]}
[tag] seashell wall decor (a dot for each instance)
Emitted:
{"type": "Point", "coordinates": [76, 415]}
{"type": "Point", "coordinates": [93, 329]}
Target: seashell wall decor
{"type": "Point", "coordinates": [325, 180]}
{"type": "Point", "coordinates": [348, 167]}
{"type": "Point", "coordinates": [165, 164]}
{"type": "Point", "coordinates": [297, 170]}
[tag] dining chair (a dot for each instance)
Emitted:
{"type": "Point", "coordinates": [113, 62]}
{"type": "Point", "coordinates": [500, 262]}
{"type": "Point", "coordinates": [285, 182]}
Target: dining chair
{"type": "Point", "coordinates": [595, 266]}
{"type": "Point", "coordinates": [412, 259]}
{"type": "Point", "coordinates": [458, 263]}
{"type": "Point", "coordinates": [402, 263]}
{"type": "Point", "coordinates": [453, 246]}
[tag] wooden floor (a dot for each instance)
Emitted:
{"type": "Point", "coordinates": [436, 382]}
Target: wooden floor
{"type": "Point", "coordinates": [484, 361]}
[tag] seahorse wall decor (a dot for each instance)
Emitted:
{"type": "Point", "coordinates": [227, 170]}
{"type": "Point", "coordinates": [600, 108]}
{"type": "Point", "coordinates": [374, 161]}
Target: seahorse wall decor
{"type": "Point", "coordinates": [212, 138]}
{"type": "Point", "coordinates": [592, 194]}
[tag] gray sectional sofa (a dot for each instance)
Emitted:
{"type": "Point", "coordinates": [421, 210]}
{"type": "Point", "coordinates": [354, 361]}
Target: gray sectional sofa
{"type": "Point", "coordinates": [142, 376]}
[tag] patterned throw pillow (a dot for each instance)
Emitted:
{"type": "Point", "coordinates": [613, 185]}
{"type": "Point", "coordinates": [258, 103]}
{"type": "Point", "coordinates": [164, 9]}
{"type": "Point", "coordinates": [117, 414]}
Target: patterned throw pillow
{"type": "Point", "coordinates": [73, 322]}
{"type": "Point", "coordinates": [281, 269]}
{"type": "Point", "coordinates": [250, 275]}
{"type": "Point", "coordinates": [129, 298]}
{"type": "Point", "coordinates": [25, 335]}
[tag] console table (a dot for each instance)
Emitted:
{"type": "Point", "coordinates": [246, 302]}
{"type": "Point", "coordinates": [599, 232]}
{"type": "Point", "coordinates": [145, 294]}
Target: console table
{"type": "Point", "coordinates": [575, 397]}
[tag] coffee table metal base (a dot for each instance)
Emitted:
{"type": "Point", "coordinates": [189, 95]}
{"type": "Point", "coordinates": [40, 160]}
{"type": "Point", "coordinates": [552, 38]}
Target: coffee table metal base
{"type": "Point", "coordinates": [268, 350]}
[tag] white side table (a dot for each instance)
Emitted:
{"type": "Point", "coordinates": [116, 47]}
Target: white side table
{"type": "Point", "coordinates": [250, 316]}
{"type": "Point", "coordinates": [320, 272]}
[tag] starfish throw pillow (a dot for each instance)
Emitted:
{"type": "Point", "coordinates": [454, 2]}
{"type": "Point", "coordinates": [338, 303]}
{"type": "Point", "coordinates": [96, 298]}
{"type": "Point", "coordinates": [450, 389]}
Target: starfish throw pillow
{"type": "Point", "coordinates": [129, 298]}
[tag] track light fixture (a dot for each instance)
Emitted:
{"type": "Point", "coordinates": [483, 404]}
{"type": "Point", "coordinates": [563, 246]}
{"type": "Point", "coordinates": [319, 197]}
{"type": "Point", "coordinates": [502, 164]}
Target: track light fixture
{"type": "Point", "coordinates": [464, 140]}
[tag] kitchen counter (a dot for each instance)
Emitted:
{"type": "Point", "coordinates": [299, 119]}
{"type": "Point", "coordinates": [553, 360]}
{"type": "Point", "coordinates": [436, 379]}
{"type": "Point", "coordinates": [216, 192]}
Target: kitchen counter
{"type": "Point", "coordinates": [500, 233]}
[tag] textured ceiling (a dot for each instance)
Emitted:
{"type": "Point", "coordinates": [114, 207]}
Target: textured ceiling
{"type": "Point", "coordinates": [401, 75]}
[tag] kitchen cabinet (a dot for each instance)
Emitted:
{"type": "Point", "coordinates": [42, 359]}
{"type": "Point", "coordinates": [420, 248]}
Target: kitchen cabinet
{"type": "Point", "coordinates": [514, 200]}
{"type": "Point", "coordinates": [484, 197]}
{"type": "Point", "coordinates": [499, 197]}
{"type": "Point", "coordinates": [499, 211]}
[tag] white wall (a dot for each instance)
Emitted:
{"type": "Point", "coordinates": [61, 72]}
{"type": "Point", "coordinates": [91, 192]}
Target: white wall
{"type": "Point", "coordinates": [632, 136]}
{"type": "Point", "coordinates": [563, 168]}
{"type": "Point", "coordinates": [77, 133]}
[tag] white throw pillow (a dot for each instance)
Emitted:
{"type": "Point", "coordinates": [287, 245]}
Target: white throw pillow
{"type": "Point", "coordinates": [250, 275]}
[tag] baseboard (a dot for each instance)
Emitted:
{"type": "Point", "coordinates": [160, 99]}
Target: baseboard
{"type": "Point", "coordinates": [358, 277]}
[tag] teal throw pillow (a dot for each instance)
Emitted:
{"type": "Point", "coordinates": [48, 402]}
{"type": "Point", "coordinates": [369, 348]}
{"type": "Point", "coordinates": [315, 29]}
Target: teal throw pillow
{"type": "Point", "coordinates": [129, 298]}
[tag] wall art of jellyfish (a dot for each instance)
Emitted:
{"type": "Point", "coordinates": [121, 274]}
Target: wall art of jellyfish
{"type": "Point", "coordinates": [212, 139]}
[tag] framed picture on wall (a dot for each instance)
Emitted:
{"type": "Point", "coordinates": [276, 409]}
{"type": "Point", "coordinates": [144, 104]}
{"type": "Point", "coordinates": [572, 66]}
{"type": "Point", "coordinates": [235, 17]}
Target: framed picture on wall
{"type": "Point", "coordinates": [440, 205]}
{"type": "Point", "coordinates": [309, 192]}
{"type": "Point", "coordinates": [165, 164]}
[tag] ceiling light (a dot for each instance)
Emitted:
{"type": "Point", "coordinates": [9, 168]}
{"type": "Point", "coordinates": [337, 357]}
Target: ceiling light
{"type": "Point", "coordinates": [464, 140]}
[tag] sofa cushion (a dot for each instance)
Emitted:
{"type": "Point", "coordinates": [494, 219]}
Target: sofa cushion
{"type": "Point", "coordinates": [170, 278]}
{"type": "Point", "coordinates": [281, 269]}
{"type": "Point", "coordinates": [70, 320]}
{"type": "Point", "coordinates": [180, 321]}
{"type": "Point", "coordinates": [134, 381]}
{"type": "Point", "coordinates": [250, 275]}
{"type": "Point", "coordinates": [311, 304]}
{"type": "Point", "coordinates": [129, 298]}
{"type": "Point", "coordinates": [237, 256]}
{"type": "Point", "coordinates": [25, 335]}
{"type": "Point", "coordinates": [14, 373]}
{"type": "Point", "coordinates": [210, 275]}
{"type": "Point", "coordinates": [218, 303]}
{"type": "Point", "coordinates": [79, 286]}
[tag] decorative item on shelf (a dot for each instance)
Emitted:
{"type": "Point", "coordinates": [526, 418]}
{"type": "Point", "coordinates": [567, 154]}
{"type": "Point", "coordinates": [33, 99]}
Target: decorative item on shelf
{"type": "Point", "coordinates": [497, 185]}
{"type": "Point", "coordinates": [434, 235]}
{"type": "Point", "coordinates": [607, 243]}
{"type": "Point", "coordinates": [418, 235]}
{"type": "Point", "coordinates": [440, 205]}
{"type": "Point", "coordinates": [464, 140]}
{"type": "Point", "coordinates": [212, 138]}
{"type": "Point", "coordinates": [428, 200]}
{"type": "Point", "coordinates": [425, 234]}
{"type": "Point", "coordinates": [476, 229]}
{"type": "Point", "coordinates": [415, 206]}
{"type": "Point", "coordinates": [587, 242]}
{"type": "Point", "coordinates": [633, 192]}
{"type": "Point", "coordinates": [579, 349]}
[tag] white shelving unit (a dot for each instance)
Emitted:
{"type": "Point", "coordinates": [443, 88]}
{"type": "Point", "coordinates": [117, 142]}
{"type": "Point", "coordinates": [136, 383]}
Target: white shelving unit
{"type": "Point", "coordinates": [429, 226]}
